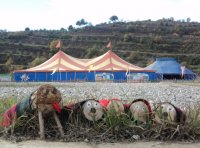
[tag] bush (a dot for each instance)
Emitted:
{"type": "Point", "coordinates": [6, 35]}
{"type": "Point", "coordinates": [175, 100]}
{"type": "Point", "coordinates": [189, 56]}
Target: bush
{"type": "Point", "coordinates": [127, 38]}
{"type": "Point", "coordinates": [37, 61]}
{"type": "Point", "coordinates": [92, 52]}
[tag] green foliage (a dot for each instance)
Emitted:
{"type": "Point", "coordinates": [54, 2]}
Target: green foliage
{"type": "Point", "coordinates": [114, 120]}
{"type": "Point", "coordinates": [9, 61]}
{"type": "Point", "coordinates": [157, 39]}
{"type": "Point", "coordinates": [4, 68]}
{"type": "Point", "coordinates": [27, 29]}
{"type": "Point", "coordinates": [70, 28]}
{"type": "Point", "coordinates": [92, 52]}
{"type": "Point", "coordinates": [127, 38]}
{"type": "Point", "coordinates": [194, 61]}
{"type": "Point", "coordinates": [37, 61]}
{"type": "Point", "coordinates": [133, 57]}
{"type": "Point", "coordinates": [113, 18]}
{"type": "Point", "coordinates": [81, 22]}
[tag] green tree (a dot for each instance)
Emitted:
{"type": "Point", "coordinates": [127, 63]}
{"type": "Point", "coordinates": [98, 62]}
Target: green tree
{"type": "Point", "coordinates": [37, 61]}
{"type": "Point", "coordinates": [127, 38]}
{"type": "Point", "coordinates": [188, 19]}
{"type": "Point", "coordinates": [92, 52]}
{"type": "Point", "coordinates": [70, 28]}
{"type": "Point", "coordinates": [134, 57]}
{"type": "Point", "coordinates": [62, 29]}
{"type": "Point", "coordinates": [8, 64]}
{"type": "Point", "coordinates": [27, 29]}
{"type": "Point", "coordinates": [9, 61]}
{"type": "Point", "coordinates": [113, 18]}
{"type": "Point", "coordinates": [81, 22]}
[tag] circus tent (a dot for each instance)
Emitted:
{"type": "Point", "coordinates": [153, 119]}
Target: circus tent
{"type": "Point", "coordinates": [169, 68]}
{"type": "Point", "coordinates": [63, 67]}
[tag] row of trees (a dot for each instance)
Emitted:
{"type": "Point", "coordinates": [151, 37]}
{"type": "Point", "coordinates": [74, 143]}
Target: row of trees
{"type": "Point", "coordinates": [81, 23]}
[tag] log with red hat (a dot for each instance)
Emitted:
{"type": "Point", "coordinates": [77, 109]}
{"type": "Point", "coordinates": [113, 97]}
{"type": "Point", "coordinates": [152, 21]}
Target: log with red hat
{"type": "Point", "coordinates": [140, 111]}
{"type": "Point", "coordinates": [112, 105]}
{"type": "Point", "coordinates": [166, 111]}
{"type": "Point", "coordinates": [85, 110]}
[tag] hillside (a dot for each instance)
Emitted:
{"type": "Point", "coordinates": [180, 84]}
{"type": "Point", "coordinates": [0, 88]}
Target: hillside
{"type": "Point", "coordinates": [138, 42]}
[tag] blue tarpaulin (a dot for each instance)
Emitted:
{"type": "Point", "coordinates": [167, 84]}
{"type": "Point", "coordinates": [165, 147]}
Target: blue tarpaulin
{"type": "Point", "coordinates": [169, 68]}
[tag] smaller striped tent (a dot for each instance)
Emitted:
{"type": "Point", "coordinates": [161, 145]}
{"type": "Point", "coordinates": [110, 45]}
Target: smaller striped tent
{"type": "Point", "coordinates": [62, 67]}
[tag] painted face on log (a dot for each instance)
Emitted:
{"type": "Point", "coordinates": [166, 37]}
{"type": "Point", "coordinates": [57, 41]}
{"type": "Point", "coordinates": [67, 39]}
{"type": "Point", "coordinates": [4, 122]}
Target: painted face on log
{"type": "Point", "coordinates": [139, 111]}
{"type": "Point", "coordinates": [92, 110]}
{"type": "Point", "coordinates": [168, 112]}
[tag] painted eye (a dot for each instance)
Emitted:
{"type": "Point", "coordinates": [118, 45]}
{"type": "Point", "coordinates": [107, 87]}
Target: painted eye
{"type": "Point", "coordinates": [89, 104]}
{"type": "Point", "coordinates": [96, 104]}
{"type": "Point", "coordinates": [136, 107]}
{"type": "Point", "coordinates": [169, 109]}
{"type": "Point", "coordinates": [143, 109]}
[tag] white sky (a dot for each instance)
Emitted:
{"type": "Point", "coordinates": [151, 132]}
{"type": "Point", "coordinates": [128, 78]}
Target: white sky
{"type": "Point", "coordinates": [55, 14]}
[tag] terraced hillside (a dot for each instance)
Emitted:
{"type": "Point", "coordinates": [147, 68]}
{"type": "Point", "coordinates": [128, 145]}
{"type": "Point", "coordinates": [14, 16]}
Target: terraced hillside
{"type": "Point", "coordinates": [138, 42]}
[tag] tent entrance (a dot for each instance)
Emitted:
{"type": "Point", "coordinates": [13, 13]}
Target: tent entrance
{"type": "Point", "coordinates": [171, 77]}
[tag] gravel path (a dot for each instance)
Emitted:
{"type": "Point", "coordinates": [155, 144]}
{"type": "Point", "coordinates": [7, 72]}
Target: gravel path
{"type": "Point", "coordinates": [180, 93]}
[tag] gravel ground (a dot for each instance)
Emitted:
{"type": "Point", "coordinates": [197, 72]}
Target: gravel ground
{"type": "Point", "coordinates": [180, 93]}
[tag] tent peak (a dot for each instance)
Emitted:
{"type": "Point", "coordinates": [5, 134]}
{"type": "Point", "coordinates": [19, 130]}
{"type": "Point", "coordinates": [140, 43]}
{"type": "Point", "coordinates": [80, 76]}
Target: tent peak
{"type": "Point", "coordinates": [60, 51]}
{"type": "Point", "coordinates": [110, 51]}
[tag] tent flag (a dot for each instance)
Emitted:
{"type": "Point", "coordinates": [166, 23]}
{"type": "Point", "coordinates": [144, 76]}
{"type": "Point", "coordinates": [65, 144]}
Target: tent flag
{"type": "Point", "coordinates": [182, 71]}
{"type": "Point", "coordinates": [91, 67]}
{"type": "Point", "coordinates": [54, 70]}
{"type": "Point", "coordinates": [58, 44]}
{"type": "Point", "coordinates": [109, 45]}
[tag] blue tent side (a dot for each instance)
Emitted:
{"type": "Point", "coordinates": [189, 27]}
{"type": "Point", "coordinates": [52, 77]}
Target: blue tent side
{"type": "Point", "coordinates": [73, 76]}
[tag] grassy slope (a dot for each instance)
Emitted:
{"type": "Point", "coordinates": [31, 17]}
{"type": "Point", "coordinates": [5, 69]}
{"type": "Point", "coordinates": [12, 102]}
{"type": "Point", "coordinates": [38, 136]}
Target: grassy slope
{"type": "Point", "coordinates": [137, 42]}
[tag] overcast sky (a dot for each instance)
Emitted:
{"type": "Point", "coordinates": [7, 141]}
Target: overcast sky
{"type": "Point", "coordinates": [55, 14]}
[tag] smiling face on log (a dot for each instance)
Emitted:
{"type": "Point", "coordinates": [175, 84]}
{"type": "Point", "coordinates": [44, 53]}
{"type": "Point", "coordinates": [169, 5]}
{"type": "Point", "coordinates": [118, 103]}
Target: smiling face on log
{"type": "Point", "coordinates": [92, 110]}
{"type": "Point", "coordinates": [139, 111]}
{"type": "Point", "coordinates": [168, 112]}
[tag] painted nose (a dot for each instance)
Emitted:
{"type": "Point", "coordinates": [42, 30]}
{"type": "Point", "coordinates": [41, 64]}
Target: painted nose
{"type": "Point", "coordinates": [93, 110]}
{"type": "Point", "coordinates": [165, 114]}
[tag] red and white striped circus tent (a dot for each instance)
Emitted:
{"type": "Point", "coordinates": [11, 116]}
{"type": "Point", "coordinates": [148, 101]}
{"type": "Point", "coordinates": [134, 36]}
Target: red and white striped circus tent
{"type": "Point", "coordinates": [63, 67]}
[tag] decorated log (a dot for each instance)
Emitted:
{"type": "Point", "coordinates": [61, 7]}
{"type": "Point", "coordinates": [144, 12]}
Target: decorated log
{"type": "Point", "coordinates": [112, 105]}
{"type": "Point", "coordinates": [168, 111]}
{"type": "Point", "coordinates": [90, 110]}
{"type": "Point", "coordinates": [140, 110]}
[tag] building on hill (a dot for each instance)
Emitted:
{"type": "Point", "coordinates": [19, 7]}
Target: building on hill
{"type": "Point", "coordinates": [63, 67]}
{"type": "Point", "coordinates": [169, 68]}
